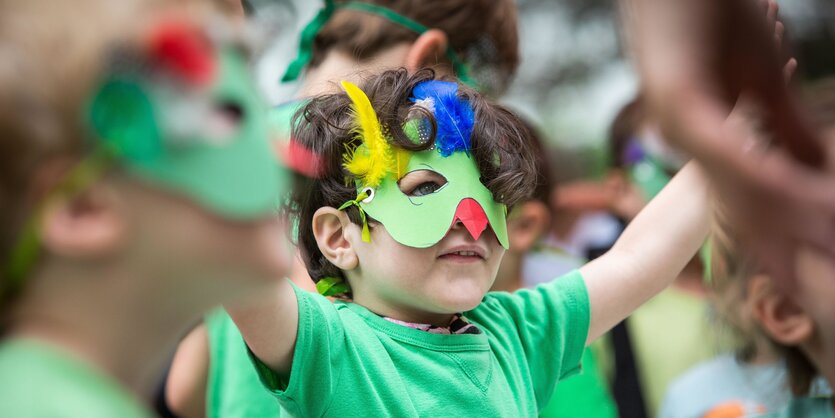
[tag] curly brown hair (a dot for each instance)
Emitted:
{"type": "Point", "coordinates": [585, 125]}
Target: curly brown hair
{"type": "Point", "coordinates": [500, 145]}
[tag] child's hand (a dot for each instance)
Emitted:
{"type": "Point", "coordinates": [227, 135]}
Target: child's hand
{"type": "Point", "coordinates": [695, 58]}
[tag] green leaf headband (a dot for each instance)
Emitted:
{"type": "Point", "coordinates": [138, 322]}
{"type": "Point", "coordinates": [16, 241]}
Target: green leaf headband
{"type": "Point", "coordinates": [323, 16]}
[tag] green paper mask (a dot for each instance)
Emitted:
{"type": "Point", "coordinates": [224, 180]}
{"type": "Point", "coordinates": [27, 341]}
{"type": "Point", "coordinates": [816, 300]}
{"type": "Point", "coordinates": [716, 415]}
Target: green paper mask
{"type": "Point", "coordinates": [209, 143]}
{"type": "Point", "coordinates": [422, 221]}
{"type": "Point", "coordinates": [649, 176]}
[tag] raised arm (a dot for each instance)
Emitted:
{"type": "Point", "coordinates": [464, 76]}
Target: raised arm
{"type": "Point", "coordinates": [777, 197]}
{"type": "Point", "coordinates": [650, 253]}
{"type": "Point", "coordinates": [268, 320]}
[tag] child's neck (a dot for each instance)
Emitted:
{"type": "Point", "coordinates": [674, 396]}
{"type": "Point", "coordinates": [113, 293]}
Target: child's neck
{"type": "Point", "coordinates": [402, 312]}
{"type": "Point", "coordinates": [122, 324]}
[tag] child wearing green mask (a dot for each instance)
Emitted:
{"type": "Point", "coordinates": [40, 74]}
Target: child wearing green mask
{"type": "Point", "coordinates": [138, 190]}
{"type": "Point", "coordinates": [407, 226]}
{"type": "Point", "coordinates": [472, 39]}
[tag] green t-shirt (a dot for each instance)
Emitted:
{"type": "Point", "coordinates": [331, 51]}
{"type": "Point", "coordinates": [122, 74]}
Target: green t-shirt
{"type": "Point", "coordinates": [583, 395]}
{"type": "Point", "coordinates": [350, 362]}
{"type": "Point", "coordinates": [41, 381]}
{"type": "Point", "coordinates": [233, 389]}
{"type": "Point", "coordinates": [812, 407]}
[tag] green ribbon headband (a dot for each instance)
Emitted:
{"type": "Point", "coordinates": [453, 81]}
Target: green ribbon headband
{"type": "Point", "coordinates": [323, 16]}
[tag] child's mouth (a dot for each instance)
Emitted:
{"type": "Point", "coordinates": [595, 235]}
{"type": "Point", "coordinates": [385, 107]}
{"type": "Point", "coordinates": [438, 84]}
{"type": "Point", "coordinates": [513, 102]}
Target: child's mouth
{"type": "Point", "coordinates": [462, 256]}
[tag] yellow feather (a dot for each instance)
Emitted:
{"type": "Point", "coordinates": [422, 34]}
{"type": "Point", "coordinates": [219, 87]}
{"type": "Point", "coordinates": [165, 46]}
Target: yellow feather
{"type": "Point", "coordinates": [373, 160]}
{"type": "Point", "coordinates": [401, 158]}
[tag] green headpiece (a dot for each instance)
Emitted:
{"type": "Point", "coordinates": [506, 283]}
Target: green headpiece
{"type": "Point", "coordinates": [194, 124]}
{"type": "Point", "coordinates": [323, 16]}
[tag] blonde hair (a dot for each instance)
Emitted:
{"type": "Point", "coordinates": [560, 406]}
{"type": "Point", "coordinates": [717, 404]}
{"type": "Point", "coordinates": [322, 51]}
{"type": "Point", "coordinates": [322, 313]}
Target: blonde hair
{"type": "Point", "coordinates": [730, 269]}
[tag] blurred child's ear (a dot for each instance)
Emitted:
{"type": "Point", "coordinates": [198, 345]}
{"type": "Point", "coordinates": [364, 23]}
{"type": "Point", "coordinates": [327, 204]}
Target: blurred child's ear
{"type": "Point", "coordinates": [427, 50]}
{"type": "Point", "coordinates": [780, 317]}
{"type": "Point", "coordinates": [526, 225]}
{"type": "Point", "coordinates": [329, 229]}
{"type": "Point", "coordinates": [88, 224]}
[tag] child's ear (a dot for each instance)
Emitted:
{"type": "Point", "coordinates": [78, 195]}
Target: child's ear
{"type": "Point", "coordinates": [782, 319]}
{"type": "Point", "coordinates": [329, 227]}
{"type": "Point", "coordinates": [526, 224]}
{"type": "Point", "coordinates": [428, 50]}
{"type": "Point", "coordinates": [88, 224]}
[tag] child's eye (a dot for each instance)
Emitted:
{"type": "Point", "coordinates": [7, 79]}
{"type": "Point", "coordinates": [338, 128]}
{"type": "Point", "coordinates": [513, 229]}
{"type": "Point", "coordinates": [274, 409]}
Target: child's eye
{"type": "Point", "coordinates": [421, 183]}
{"type": "Point", "coordinates": [425, 188]}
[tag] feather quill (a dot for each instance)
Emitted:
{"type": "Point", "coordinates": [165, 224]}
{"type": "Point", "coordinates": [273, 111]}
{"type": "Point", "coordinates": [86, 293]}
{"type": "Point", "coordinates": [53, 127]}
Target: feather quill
{"type": "Point", "coordinates": [374, 159]}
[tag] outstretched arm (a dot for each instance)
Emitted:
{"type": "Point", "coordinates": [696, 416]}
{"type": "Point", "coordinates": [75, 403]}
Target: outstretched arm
{"type": "Point", "coordinates": [650, 253]}
{"type": "Point", "coordinates": [268, 320]}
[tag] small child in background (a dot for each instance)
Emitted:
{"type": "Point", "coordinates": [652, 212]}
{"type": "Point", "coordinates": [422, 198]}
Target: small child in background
{"type": "Point", "coordinates": [408, 226]}
{"type": "Point", "coordinates": [789, 322]}
{"type": "Point", "coordinates": [751, 380]}
{"type": "Point", "coordinates": [585, 394]}
{"type": "Point", "coordinates": [796, 319]}
{"type": "Point", "coordinates": [642, 164]}
{"type": "Point", "coordinates": [138, 189]}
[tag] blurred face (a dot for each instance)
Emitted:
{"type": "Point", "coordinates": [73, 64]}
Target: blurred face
{"type": "Point", "coordinates": [423, 284]}
{"type": "Point", "coordinates": [179, 241]}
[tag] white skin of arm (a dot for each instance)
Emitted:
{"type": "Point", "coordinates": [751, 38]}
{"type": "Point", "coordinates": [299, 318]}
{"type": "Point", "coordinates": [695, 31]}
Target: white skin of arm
{"type": "Point", "coordinates": [268, 321]}
{"type": "Point", "coordinates": [185, 390]}
{"type": "Point", "coordinates": [650, 253]}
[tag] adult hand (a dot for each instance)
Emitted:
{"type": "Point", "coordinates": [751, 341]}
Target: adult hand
{"type": "Point", "coordinates": [695, 58]}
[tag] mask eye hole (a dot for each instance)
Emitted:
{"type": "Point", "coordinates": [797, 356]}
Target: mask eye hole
{"type": "Point", "coordinates": [421, 183]}
{"type": "Point", "coordinates": [225, 119]}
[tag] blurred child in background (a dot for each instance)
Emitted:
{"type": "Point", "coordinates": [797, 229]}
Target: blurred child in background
{"type": "Point", "coordinates": [585, 394]}
{"type": "Point", "coordinates": [671, 332]}
{"type": "Point", "coordinates": [755, 379]}
{"type": "Point", "coordinates": [138, 190]}
{"type": "Point", "coordinates": [750, 379]}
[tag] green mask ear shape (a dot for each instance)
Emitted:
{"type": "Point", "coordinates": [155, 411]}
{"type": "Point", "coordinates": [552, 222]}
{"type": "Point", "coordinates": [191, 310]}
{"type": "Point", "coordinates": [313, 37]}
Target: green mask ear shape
{"type": "Point", "coordinates": [122, 117]}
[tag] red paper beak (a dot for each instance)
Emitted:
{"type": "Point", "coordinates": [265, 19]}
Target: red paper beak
{"type": "Point", "coordinates": [470, 213]}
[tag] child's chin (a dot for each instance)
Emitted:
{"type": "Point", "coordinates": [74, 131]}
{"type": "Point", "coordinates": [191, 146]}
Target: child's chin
{"type": "Point", "coordinates": [453, 303]}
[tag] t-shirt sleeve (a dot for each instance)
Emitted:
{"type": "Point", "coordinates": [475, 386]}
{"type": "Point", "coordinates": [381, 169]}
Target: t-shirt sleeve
{"type": "Point", "coordinates": [546, 326]}
{"type": "Point", "coordinates": [316, 364]}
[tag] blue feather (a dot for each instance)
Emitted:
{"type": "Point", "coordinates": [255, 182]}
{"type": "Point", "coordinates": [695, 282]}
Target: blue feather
{"type": "Point", "coordinates": [454, 116]}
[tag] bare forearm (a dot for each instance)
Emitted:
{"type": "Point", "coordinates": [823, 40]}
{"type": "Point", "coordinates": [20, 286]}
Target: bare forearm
{"type": "Point", "coordinates": [651, 252]}
{"type": "Point", "coordinates": [268, 321]}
